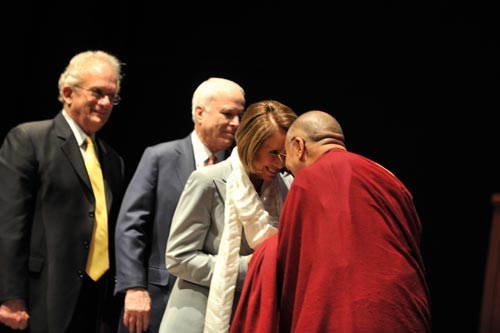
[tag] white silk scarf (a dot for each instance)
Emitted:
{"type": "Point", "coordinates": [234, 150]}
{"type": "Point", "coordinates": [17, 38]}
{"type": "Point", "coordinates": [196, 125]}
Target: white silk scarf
{"type": "Point", "coordinates": [243, 209]}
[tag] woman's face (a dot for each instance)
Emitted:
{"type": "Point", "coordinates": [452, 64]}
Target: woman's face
{"type": "Point", "coordinates": [270, 157]}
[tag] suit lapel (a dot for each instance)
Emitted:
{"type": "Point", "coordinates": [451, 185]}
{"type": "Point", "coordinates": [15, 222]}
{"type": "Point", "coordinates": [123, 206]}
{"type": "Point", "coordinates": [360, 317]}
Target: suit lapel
{"type": "Point", "coordinates": [71, 149]}
{"type": "Point", "coordinates": [221, 187]}
{"type": "Point", "coordinates": [185, 160]}
{"type": "Point", "coordinates": [104, 160]}
{"type": "Point", "coordinates": [220, 183]}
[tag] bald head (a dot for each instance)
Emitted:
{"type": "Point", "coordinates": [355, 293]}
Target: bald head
{"type": "Point", "coordinates": [311, 135]}
{"type": "Point", "coordinates": [316, 126]}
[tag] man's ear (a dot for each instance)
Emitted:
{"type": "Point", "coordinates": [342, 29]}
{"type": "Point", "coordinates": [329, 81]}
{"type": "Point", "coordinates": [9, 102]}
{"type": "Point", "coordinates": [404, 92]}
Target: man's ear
{"type": "Point", "coordinates": [300, 146]}
{"type": "Point", "coordinates": [67, 94]}
{"type": "Point", "coordinates": [198, 114]}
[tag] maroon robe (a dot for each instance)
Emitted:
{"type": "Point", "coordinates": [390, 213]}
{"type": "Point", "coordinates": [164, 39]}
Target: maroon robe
{"type": "Point", "coordinates": [348, 255]}
{"type": "Point", "coordinates": [257, 310]}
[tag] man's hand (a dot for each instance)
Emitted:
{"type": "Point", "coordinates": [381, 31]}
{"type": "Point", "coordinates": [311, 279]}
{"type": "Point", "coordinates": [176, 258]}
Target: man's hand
{"type": "Point", "coordinates": [137, 310]}
{"type": "Point", "coordinates": [14, 314]}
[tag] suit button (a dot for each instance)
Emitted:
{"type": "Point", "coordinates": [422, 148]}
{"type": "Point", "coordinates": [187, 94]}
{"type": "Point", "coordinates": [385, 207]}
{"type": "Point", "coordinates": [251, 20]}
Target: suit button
{"type": "Point", "coordinates": [80, 274]}
{"type": "Point", "coordinates": [91, 214]}
{"type": "Point", "coordinates": [86, 244]}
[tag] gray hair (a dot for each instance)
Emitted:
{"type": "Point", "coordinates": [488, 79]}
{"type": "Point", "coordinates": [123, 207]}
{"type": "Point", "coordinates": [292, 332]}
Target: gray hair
{"type": "Point", "coordinates": [207, 90]}
{"type": "Point", "coordinates": [78, 66]}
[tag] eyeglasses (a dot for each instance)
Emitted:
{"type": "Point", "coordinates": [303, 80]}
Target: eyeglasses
{"type": "Point", "coordinates": [281, 156]}
{"type": "Point", "coordinates": [99, 94]}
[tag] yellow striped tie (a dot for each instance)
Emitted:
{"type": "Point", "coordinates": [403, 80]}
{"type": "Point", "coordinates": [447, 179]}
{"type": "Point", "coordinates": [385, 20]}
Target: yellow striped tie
{"type": "Point", "coordinates": [98, 260]}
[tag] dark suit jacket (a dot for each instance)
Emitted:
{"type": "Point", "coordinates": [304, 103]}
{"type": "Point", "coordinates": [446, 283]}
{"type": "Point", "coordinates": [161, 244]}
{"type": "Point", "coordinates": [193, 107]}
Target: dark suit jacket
{"type": "Point", "coordinates": [146, 213]}
{"type": "Point", "coordinates": [46, 218]}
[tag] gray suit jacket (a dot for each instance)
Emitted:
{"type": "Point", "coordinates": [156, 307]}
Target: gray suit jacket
{"type": "Point", "coordinates": [192, 247]}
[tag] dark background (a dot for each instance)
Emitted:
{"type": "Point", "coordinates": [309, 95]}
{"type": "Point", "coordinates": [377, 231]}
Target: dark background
{"type": "Point", "coordinates": [415, 87]}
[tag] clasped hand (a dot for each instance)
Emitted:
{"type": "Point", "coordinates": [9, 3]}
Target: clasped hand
{"type": "Point", "coordinates": [14, 314]}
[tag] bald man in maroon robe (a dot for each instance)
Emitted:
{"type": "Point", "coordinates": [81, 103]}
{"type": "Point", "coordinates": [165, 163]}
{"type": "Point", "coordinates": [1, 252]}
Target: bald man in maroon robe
{"type": "Point", "coordinates": [347, 254]}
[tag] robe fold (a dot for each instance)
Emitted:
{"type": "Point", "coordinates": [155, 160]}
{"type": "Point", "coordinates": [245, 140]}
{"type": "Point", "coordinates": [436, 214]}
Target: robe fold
{"type": "Point", "coordinates": [348, 255]}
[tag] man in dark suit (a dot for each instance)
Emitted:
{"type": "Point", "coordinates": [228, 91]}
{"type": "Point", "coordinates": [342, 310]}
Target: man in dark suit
{"type": "Point", "coordinates": [145, 216]}
{"type": "Point", "coordinates": [49, 207]}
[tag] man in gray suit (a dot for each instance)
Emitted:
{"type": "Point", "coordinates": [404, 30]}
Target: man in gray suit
{"type": "Point", "coordinates": [48, 208]}
{"type": "Point", "coordinates": [151, 198]}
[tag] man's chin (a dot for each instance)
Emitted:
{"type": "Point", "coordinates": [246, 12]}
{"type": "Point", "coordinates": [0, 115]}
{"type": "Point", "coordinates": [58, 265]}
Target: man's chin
{"type": "Point", "coordinates": [225, 143]}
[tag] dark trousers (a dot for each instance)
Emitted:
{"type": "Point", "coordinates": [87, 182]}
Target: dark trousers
{"type": "Point", "coordinates": [89, 311]}
{"type": "Point", "coordinates": [96, 310]}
